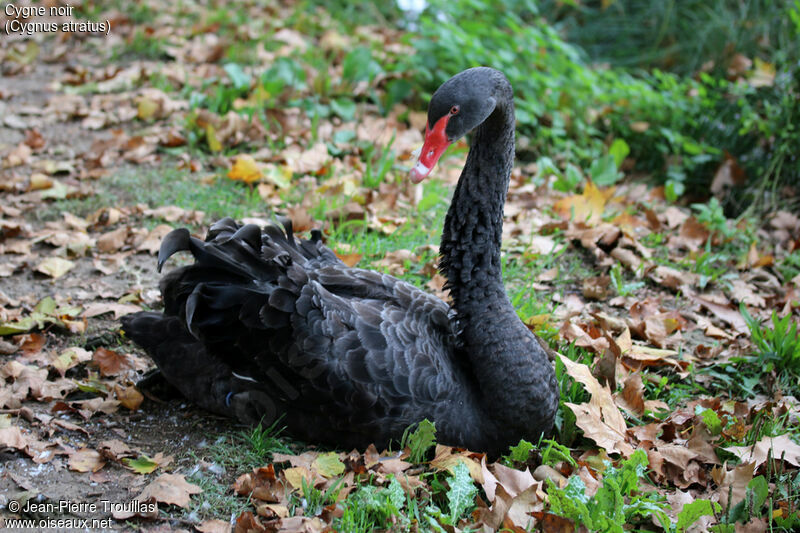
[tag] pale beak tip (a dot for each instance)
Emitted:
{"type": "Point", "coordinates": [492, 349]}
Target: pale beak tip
{"type": "Point", "coordinates": [419, 172]}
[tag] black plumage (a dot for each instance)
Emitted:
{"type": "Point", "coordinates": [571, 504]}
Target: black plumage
{"type": "Point", "coordinates": [264, 324]}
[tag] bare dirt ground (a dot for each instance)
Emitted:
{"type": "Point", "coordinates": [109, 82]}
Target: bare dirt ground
{"type": "Point", "coordinates": [168, 427]}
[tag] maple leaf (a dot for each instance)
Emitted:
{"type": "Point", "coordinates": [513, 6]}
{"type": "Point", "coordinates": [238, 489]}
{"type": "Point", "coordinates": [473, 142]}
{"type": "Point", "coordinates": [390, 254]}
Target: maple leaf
{"type": "Point", "coordinates": [109, 362]}
{"type": "Point", "coordinates": [171, 489]}
{"type": "Point", "coordinates": [600, 419]}
{"type": "Point", "coordinates": [586, 207]}
{"type": "Point", "coordinates": [245, 169]}
{"type": "Point", "coordinates": [328, 464]}
{"type": "Point", "coordinates": [55, 267]}
{"type": "Point", "coordinates": [780, 448]}
{"type": "Point", "coordinates": [141, 465]}
{"type": "Point", "coordinates": [86, 460]}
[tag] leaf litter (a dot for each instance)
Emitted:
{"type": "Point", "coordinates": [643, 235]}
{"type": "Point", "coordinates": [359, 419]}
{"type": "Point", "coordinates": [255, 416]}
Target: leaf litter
{"type": "Point", "coordinates": [651, 313]}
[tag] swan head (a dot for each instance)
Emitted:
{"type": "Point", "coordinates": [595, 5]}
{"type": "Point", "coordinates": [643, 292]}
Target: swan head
{"type": "Point", "coordinates": [459, 106]}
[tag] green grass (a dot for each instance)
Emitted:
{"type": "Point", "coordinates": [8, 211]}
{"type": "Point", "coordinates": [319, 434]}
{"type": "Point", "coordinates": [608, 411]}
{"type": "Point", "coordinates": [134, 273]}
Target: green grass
{"type": "Point", "coordinates": [778, 347]}
{"type": "Point", "coordinates": [161, 187]}
{"type": "Point", "coordinates": [233, 454]}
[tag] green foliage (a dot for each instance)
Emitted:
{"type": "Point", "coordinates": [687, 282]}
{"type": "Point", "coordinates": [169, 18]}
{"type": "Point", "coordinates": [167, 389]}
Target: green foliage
{"type": "Point", "coordinates": [713, 217]}
{"type": "Point", "coordinates": [461, 496]}
{"type": "Point", "coordinates": [680, 35]}
{"type": "Point", "coordinates": [617, 502]}
{"type": "Point", "coordinates": [420, 440]}
{"type": "Point", "coordinates": [692, 512]}
{"type": "Point", "coordinates": [710, 419]}
{"type": "Point", "coordinates": [370, 508]}
{"type": "Point", "coordinates": [563, 106]}
{"type": "Point", "coordinates": [520, 452]}
{"type": "Point", "coordinates": [264, 441]}
{"type": "Point", "coordinates": [623, 287]}
{"type": "Point", "coordinates": [778, 345]}
{"type": "Point", "coordinates": [555, 453]}
{"type": "Point", "coordinates": [569, 391]}
{"type": "Point", "coordinates": [789, 266]}
{"type": "Point", "coordinates": [313, 500]}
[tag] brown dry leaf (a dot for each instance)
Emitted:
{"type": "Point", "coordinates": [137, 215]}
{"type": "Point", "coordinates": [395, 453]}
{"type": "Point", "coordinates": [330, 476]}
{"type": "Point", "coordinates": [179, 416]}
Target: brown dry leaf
{"type": "Point", "coordinates": [307, 161]}
{"type": "Point", "coordinates": [214, 526]}
{"type": "Point", "coordinates": [247, 522]}
{"type": "Point", "coordinates": [112, 241]}
{"type": "Point", "coordinates": [86, 460]}
{"type": "Point", "coordinates": [31, 343]}
{"type": "Point", "coordinates": [109, 362]}
{"type": "Point", "coordinates": [632, 396]}
{"type": "Point", "coordinates": [600, 419]}
{"type": "Point", "coordinates": [39, 181]}
{"type": "Point", "coordinates": [350, 260]}
{"type": "Point", "coordinates": [99, 308]}
{"type": "Point", "coordinates": [261, 484]}
{"type": "Point", "coordinates": [152, 242]}
{"type": "Point", "coordinates": [115, 449]}
{"type": "Point", "coordinates": [172, 489]}
{"type": "Point", "coordinates": [12, 437]}
{"type": "Point", "coordinates": [129, 396]}
{"type": "Point", "coordinates": [677, 455]}
{"type": "Point", "coordinates": [596, 288]}
{"type": "Point", "coordinates": [55, 267]}
{"type": "Point", "coordinates": [693, 233]}
{"type": "Point", "coordinates": [301, 219]}
{"type": "Point", "coordinates": [732, 481]}
{"type": "Point", "coordinates": [725, 313]}
{"type": "Point", "coordinates": [586, 207]}
{"type": "Point", "coordinates": [447, 458]}
{"type": "Point", "coordinates": [780, 448]}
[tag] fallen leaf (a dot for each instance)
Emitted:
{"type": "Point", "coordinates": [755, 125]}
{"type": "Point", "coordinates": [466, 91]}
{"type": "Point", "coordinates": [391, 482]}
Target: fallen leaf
{"type": "Point", "coordinates": [600, 419]}
{"type": "Point", "coordinates": [113, 240]}
{"type": "Point", "coordinates": [141, 465]}
{"type": "Point", "coordinates": [245, 169]}
{"type": "Point", "coordinates": [172, 489]}
{"type": "Point", "coordinates": [109, 362]}
{"type": "Point", "coordinates": [129, 396]}
{"type": "Point", "coordinates": [780, 448]}
{"type": "Point", "coordinates": [214, 526]}
{"type": "Point", "coordinates": [99, 308]}
{"type": "Point", "coordinates": [587, 207]}
{"type": "Point", "coordinates": [55, 267]}
{"type": "Point", "coordinates": [86, 460]}
{"type": "Point", "coordinates": [328, 464]}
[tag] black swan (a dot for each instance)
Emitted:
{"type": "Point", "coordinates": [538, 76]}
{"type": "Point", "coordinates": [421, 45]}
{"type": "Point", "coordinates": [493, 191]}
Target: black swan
{"type": "Point", "coordinates": [264, 324]}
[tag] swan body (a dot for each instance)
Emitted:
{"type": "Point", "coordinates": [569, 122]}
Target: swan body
{"type": "Point", "coordinates": [264, 324]}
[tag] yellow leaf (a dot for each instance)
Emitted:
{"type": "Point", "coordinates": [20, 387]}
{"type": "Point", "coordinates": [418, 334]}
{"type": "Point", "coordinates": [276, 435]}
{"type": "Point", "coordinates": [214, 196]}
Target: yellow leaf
{"type": "Point", "coordinates": [146, 108]}
{"type": "Point", "coordinates": [129, 397]}
{"type": "Point", "coordinates": [763, 75]}
{"type": "Point", "coordinates": [586, 207]}
{"type": "Point", "coordinates": [295, 476]}
{"type": "Point", "coordinates": [211, 137]}
{"type": "Point", "coordinates": [328, 464]}
{"type": "Point", "coordinates": [245, 169]}
{"type": "Point", "coordinates": [39, 181]}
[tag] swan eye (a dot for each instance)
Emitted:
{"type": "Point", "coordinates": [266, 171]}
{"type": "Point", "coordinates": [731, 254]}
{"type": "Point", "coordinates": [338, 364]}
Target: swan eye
{"type": "Point", "coordinates": [454, 110]}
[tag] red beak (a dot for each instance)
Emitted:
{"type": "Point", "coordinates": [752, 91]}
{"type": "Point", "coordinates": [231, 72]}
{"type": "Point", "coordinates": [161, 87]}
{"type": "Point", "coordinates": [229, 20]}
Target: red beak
{"type": "Point", "coordinates": [434, 146]}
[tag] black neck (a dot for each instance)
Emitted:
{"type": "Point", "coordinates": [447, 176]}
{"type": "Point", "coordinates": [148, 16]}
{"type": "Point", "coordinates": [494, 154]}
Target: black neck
{"type": "Point", "coordinates": [473, 229]}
